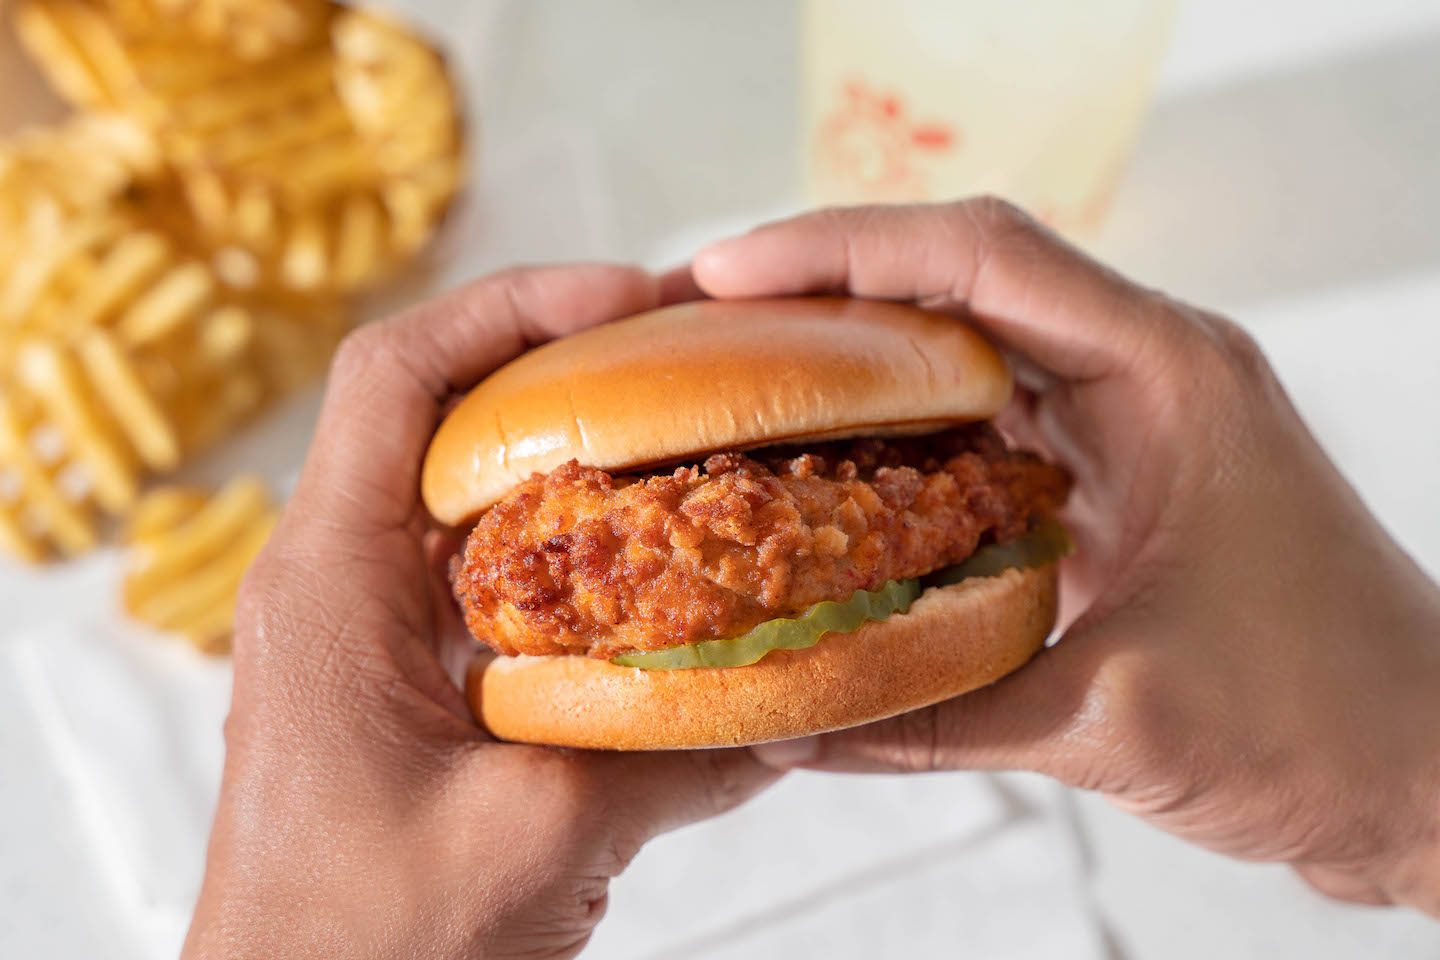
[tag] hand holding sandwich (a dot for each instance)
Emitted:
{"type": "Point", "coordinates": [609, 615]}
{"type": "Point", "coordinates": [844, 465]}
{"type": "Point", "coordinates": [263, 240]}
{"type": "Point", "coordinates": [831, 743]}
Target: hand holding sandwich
{"type": "Point", "coordinates": [362, 811]}
{"type": "Point", "coordinates": [1254, 664]}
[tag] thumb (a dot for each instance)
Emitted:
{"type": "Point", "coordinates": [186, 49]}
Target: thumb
{"type": "Point", "coordinates": [660, 791]}
{"type": "Point", "coordinates": [1033, 719]}
{"type": "Point", "coordinates": [634, 797]}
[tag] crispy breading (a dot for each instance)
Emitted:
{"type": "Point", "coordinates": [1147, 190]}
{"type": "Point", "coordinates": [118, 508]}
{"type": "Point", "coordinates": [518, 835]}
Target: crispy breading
{"type": "Point", "coordinates": [582, 562]}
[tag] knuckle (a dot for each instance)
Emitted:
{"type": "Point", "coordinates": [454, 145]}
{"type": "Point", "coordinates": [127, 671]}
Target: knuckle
{"type": "Point", "coordinates": [1241, 351]}
{"type": "Point", "coordinates": [1124, 701]}
{"type": "Point", "coordinates": [1204, 369]}
{"type": "Point", "coordinates": [1235, 378]}
{"type": "Point", "coordinates": [361, 352]}
{"type": "Point", "coordinates": [273, 608]}
{"type": "Point", "coordinates": [840, 215]}
{"type": "Point", "coordinates": [719, 778]}
{"type": "Point", "coordinates": [509, 279]}
{"type": "Point", "coordinates": [252, 605]}
{"type": "Point", "coordinates": [583, 812]}
{"type": "Point", "coordinates": [235, 730]}
{"type": "Point", "coordinates": [566, 782]}
{"type": "Point", "coordinates": [1004, 234]}
{"type": "Point", "coordinates": [548, 788]}
{"type": "Point", "coordinates": [515, 275]}
{"type": "Point", "coordinates": [1141, 725]}
{"type": "Point", "coordinates": [914, 741]}
{"type": "Point", "coordinates": [1225, 351]}
{"type": "Point", "coordinates": [846, 221]}
{"type": "Point", "coordinates": [994, 217]}
{"type": "Point", "coordinates": [517, 283]}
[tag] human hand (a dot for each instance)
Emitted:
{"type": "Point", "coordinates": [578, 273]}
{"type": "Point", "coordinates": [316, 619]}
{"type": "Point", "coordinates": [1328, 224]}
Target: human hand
{"type": "Point", "coordinates": [1255, 665]}
{"type": "Point", "coordinates": [362, 811]}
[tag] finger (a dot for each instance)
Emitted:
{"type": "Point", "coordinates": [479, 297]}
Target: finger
{"type": "Point", "coordinates": [677, 285]}
{"type": "Point", "coordinates": [647, 794]}
{"type": "Point", "coordinates": [441, 546]}
{"type": "Point", "coordinates": [453, 646]}
{"type": "Point", "coordinates": [389, 379]}
{"type": "Point", "coordinates": [1018, 422]}
{"type": "Point", "coordinates": [1033, 719]}
{"type": "Point", "coordinates": [1033, 293]}
{"type": "Point", "coordinates": [1342, 885]}
{"type": "Point", "coordinates": [608, 804]}
{"type": "Point", "coordinates": [639, 795]}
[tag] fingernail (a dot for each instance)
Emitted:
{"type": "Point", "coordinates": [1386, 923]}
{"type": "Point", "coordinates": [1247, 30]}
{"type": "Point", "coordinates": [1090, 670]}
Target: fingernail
{"type": "Point", "coordinates": [784, 754]}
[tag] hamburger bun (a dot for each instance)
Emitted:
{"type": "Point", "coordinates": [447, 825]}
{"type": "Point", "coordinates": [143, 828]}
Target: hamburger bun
{"type": "Point", "coordinates": [953, 640]}
{"type": "Point", "coordinates": [706, 376]}
{"type": "Point", "coordinates": [673, 385]}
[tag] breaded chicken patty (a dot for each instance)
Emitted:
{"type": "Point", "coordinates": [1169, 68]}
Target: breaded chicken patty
{"type": "Point", "coordinates": [579, 561]}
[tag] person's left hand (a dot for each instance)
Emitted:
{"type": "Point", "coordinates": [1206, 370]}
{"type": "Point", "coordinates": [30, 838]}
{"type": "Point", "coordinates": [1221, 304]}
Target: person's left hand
{"type": "Point", "coordinates": [363, 813]}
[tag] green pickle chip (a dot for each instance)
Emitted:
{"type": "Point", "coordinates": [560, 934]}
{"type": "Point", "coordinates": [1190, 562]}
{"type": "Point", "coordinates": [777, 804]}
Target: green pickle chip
{"type": "Point", "coordinates": [829, 616]}
{"type": "Point", "coordinates": [1044, 543]}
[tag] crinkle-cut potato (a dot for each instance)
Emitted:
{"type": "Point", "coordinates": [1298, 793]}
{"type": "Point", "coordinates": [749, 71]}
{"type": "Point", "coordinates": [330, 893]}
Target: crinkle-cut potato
{"type": "Point", "coordinates": [250, 30]}
{"type": "Point", "coordinates": [87, 162]}
{"type": "Point", "coordinates": [188, 553]}
{"type": "Point", "coordinates": [186, 246]}
{"type": "Point", "coordinates": [120, 356]}
{"type": "Point", "coordinates": [327, 168]}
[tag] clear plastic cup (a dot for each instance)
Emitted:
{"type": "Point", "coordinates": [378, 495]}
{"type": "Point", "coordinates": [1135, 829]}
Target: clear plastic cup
{"type": "Point", "coordinates": [921, 100]}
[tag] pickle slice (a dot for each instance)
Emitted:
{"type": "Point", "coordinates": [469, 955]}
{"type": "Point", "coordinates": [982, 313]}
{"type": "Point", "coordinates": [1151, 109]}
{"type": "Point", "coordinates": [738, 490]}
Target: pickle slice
{"type": "Point", "coordinates": [1044, 543]}
{"type": "Point", "coordinates": [829, 616]}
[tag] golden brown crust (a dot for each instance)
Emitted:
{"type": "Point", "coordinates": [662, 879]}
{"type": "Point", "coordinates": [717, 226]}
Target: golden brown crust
{"type": "Point", "coordinates": [579, 562]}
{"type": "Point", "coordinates": [952, 641]}
{"type": "Point", "coordinates": [706, 376]}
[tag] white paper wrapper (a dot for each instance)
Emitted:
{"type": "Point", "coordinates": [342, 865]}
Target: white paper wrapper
{"type": "Point", "coordinates": [847, 865]}
{"type": "Point", "coordinates": [134, 725]}
{"type": "Point", "coordinates": [586, 154]}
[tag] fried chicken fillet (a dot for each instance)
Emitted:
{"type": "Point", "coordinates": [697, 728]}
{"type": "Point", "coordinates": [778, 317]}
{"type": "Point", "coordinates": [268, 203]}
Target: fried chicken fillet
{"type": "Point", "coordinates": [580, 561]}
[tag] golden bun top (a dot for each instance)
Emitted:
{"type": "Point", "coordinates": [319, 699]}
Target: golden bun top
{"type": "Point", "coordinates": [694, 378]}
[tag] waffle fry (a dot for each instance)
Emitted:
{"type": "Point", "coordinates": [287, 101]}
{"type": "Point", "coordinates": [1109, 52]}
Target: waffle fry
{"type": "Point", "coordinates": [326, 171]}
{"type": "Point", "coordinates": [159, 512]}
{"type": "Point", "coordinates": [249, 29]}
{"type": "Point", "coordinates": [181, 252]}
{"type": "Point", "coordinates": [129, 357]}
{"type": "Point", "coordinates": [40, 511]}
{"type": "Point", "coordinates": [189, 554]}
{"type": "Point", "coordinates": [402, 99]}
{"type": "Point", "coordinates": [52, 176]}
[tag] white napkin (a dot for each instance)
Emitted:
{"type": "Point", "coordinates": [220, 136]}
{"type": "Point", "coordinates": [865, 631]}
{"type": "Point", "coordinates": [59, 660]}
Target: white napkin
{"type": "Point", "coordinates": [573, 160]}
{"type": "Point", "coordinates": [851, 865]}
{"type": "Point", "coordinates": [133, 723]}
{"type": "Point", "coordinates": [863, 866]}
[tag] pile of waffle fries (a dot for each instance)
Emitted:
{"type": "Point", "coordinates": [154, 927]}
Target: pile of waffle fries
{"type": "Point", "coordinates": [188, 246]}
{"type": "Point", "coordinates": [188, 552]}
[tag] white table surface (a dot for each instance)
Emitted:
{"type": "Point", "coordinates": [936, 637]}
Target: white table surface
{"type": "Point", "coordinates": [1288, 175]}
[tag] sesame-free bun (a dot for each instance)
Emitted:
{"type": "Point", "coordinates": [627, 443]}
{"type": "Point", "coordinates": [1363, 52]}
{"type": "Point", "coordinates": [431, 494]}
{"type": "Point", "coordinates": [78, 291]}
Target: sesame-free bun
{"type": "Point", "coordinates": [706, 376]}
{"type": "Point", "coordinates": [953, 640]}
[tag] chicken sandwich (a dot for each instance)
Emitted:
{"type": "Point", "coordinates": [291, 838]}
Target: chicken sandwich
{"type": "Point", "coordinates": [728, 522]}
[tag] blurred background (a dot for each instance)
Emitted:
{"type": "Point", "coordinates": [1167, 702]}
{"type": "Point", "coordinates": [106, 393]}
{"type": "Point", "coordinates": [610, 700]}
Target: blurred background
{"type": "Point", "coordinates": [193, 211]}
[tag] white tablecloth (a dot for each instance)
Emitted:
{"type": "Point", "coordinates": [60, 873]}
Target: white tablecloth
{"type": "Point", "coordinates": [1287, 175]}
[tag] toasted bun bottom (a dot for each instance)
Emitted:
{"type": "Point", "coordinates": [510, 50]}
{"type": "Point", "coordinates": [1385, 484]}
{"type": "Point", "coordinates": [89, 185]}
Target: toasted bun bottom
{"type": "Point", "coordinates": [954, 639]}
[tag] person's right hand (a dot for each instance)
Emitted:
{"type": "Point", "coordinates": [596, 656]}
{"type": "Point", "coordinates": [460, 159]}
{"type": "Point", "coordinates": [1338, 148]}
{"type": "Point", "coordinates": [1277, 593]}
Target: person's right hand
{"type": "Point", "coordinates": [1255, 665]}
